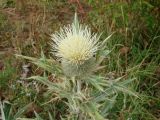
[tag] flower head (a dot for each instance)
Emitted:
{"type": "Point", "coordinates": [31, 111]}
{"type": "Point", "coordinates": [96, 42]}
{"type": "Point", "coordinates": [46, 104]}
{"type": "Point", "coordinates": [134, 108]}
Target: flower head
{"type": "Point", "coordinates": [75, 43]}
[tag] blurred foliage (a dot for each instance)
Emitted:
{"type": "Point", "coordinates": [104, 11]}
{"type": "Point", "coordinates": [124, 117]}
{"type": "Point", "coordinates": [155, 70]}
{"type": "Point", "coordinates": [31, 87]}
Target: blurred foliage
{"type": "Point", "coordinates": [25, 28]}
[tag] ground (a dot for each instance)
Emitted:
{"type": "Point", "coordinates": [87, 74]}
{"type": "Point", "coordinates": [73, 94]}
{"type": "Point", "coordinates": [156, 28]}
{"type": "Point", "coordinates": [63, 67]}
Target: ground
{"type": "Point", "coordinates": [25, 29]}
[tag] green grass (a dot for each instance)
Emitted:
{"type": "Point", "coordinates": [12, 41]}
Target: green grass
{"type": "Point", "coordinates": [7, 75]}
{"type": "Point", "coordinates": [134, 54]}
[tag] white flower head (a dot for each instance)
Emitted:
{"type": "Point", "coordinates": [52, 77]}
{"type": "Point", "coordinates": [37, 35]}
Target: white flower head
{"type": "Point", "coordinates": [75, 43]}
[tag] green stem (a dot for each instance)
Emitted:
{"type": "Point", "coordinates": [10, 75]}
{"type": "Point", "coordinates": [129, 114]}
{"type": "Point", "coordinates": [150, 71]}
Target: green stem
{"type": "Point", "coordinates": [78, 86]}
{"type": "Point", "coordinates": [74, 84]}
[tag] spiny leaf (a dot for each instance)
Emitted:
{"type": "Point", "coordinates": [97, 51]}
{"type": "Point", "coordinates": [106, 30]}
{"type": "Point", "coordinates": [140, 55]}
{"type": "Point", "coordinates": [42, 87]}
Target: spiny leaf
{"type": "Point", "coordinates": [45, 81]}
{"type": "Point", "coordinates": [76, 22]}
{"type": "Point", "coordinates": [46, 64]}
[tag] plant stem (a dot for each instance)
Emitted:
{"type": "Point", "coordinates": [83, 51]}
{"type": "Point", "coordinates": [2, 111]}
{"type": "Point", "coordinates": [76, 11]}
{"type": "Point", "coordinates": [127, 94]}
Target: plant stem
{"type": "Point", "coordinates": [78, 86]}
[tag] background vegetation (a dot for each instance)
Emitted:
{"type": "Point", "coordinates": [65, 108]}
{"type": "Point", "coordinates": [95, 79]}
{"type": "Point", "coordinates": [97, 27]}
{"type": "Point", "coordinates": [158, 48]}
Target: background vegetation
{"type": "Point", "coordinates": [26, 26]}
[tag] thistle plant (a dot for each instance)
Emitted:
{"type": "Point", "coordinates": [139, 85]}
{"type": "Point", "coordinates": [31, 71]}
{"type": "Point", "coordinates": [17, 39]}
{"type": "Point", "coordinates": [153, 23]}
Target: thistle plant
{"type": "Point", "coordinates": [76, 47]}
{"type": "Point", "coordinates": [88, 96]}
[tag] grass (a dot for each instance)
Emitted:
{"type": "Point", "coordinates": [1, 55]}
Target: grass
{"type": "Point", "coordinates": [134, 54]}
